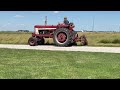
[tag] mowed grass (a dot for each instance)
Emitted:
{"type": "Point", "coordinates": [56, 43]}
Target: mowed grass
{"type": "Point", "coordinates": [94, 38]}
{"type": "Point", "coordinates": [35, 64]}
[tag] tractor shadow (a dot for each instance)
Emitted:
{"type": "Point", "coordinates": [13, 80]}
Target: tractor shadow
{"type": "Point", "coordinates": [52, 44]}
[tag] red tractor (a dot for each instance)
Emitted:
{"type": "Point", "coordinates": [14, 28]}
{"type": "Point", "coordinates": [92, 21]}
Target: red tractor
{"type": "Point", "coordinates": [63, 35]}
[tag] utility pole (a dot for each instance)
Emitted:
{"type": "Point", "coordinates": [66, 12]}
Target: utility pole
{"type": "Point", "coordinates": [119, 29]}
{"type": "Point", "coordinates": [46, 20]}
{"type": "Point", "coordinates": [93, 23]}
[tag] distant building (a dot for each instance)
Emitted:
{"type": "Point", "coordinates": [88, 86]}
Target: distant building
{"type": "Point", "coordinates": [82, 31]}
{"type": "Point", "coordinates": [23, 31]}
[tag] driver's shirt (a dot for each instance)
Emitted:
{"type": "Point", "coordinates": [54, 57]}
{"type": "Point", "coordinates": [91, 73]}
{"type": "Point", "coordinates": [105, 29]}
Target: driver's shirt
{"type": "Point", "coordinates": [66, 22]}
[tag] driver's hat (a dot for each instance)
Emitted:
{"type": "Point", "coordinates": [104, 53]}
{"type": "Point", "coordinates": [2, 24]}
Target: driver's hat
{"type": "Point", "coordinates": [65, 17]}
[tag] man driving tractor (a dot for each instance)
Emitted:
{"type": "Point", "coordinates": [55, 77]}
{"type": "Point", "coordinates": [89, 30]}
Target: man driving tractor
{"type": "Point", "coordinates": [66, 21]}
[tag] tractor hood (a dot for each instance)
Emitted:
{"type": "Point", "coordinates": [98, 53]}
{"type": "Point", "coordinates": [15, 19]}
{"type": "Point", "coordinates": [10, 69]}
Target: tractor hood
{"type": "Point", "coordinates": [45, 26]}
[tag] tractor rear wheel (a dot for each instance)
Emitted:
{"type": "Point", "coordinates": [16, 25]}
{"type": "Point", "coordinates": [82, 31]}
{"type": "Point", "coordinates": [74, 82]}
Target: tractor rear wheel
{"type": "Point", "coordinates": [62, 37]}
{"type": "Point", "coordinates": [32, 41]}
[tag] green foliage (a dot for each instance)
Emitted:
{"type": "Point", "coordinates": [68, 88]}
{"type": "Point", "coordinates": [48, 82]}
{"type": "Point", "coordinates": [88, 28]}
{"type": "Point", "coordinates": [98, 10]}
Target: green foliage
{"type": "Point", "coordinates": [104, 41]}
{"type": "Point", "coordinates": [116, 41]}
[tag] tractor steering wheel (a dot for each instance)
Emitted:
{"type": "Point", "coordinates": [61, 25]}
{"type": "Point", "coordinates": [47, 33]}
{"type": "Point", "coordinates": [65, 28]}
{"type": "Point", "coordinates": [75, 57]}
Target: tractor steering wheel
{"type": "Point", "coordinates": [71, 24]}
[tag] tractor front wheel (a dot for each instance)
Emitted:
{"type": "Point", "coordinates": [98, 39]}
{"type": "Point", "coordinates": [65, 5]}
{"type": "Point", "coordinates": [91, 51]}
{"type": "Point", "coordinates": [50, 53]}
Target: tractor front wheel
{"type": "Point", "coordinates": [32, 41]}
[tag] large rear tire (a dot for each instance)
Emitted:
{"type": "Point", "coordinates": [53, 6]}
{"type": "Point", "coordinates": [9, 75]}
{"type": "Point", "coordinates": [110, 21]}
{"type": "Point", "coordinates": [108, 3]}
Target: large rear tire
{"type": "Point", "coordinates": [32, 41]}
{"type": "Point", "coordinates": [62, 37]}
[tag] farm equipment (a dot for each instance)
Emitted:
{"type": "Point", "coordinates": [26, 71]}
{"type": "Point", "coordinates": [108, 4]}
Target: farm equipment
{"type": "Point", "coordinates": [63, 35]}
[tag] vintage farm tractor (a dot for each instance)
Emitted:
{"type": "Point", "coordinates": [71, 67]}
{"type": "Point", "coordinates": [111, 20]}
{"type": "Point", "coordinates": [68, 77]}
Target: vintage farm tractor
{"type": "Point", "coordinates": [63, 35]}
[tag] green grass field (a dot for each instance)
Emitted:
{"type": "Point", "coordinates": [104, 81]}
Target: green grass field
{"type": "Point", "coordinates": [14, 37]}
{"type": "Point", "coordinates": [94, 38]}
{"type": "Point", "coordinates": [34, 64]}
{"type": "Point", "coordinates": [103, 38]}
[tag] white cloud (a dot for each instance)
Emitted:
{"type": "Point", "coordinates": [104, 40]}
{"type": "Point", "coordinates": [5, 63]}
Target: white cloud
{"type": "Point", "coordinates": [22, 24]}
{"type": "Point", "coordinates": [18, 16]}
{"type": "Point", "coordinates": [56, 12]}
{"type": "Point", "coordinates": [6, 24]}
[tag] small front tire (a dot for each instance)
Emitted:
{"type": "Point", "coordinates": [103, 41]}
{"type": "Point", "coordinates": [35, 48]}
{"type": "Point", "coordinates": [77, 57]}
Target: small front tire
{"type": "Point", "coordinates": [32, 41]}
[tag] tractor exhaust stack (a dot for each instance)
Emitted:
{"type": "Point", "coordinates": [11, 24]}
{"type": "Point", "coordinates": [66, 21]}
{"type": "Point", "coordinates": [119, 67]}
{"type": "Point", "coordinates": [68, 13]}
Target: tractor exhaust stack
{"type": "Point", "coordinates": [45, 20]}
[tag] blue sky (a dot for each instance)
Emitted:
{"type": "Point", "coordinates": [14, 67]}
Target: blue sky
{"type": "Point", "coordinates": [17, 20]}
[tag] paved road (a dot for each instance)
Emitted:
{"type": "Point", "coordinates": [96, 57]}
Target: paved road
{"type": "Point", "coordinates": [55, 48]}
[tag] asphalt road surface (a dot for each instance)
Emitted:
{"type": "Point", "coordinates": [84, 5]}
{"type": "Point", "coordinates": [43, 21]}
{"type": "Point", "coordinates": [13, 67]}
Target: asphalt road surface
{"type": "Point", "coordinates": [56, 48]}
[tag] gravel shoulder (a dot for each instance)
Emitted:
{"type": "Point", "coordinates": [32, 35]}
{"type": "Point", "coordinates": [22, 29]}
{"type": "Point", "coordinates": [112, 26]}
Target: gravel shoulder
{"type": "Point", "coordinates": [55, 48]}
